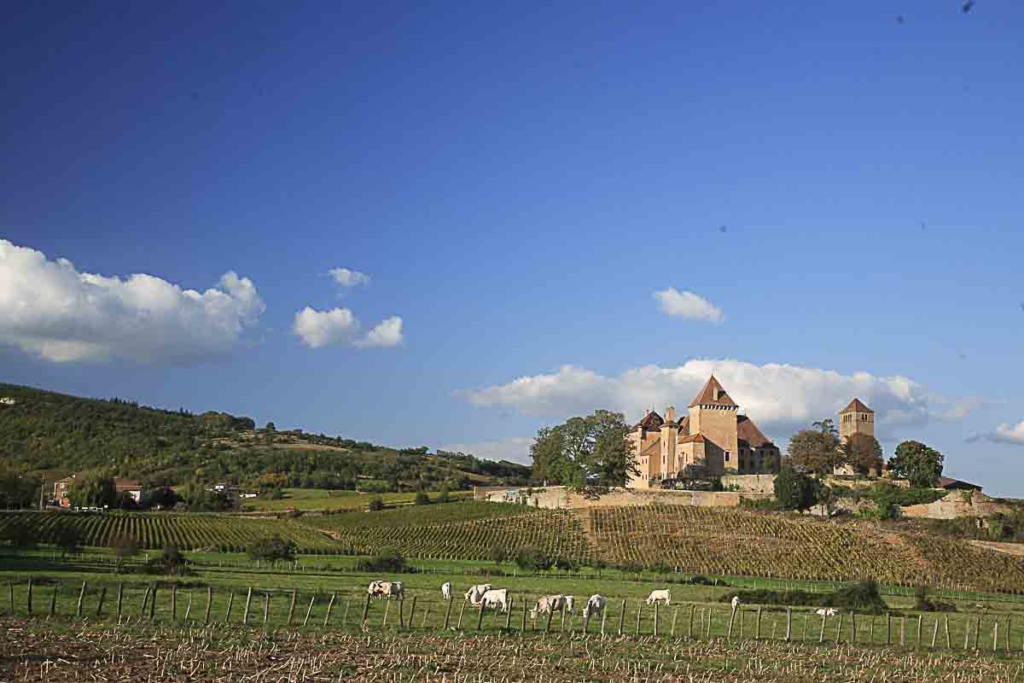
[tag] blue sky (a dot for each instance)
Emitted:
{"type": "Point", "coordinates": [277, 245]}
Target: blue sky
{"type": "Point", "coordinates": [518, 183]}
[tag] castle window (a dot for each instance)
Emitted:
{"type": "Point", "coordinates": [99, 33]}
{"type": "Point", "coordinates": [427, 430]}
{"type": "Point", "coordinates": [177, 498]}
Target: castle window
{"type": "Point", "coordinates": [727, 456]}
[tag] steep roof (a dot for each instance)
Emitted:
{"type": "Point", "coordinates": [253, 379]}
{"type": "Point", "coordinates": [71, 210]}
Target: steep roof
{"type": "Point", "coordinates": [684, 425]}
{"type": "Point", "coordinates": [950, 483]}
{"type": "Point", "coordinates": [713, 394]}
{"type": "Point", "coordinates": [856, 407]}
{"type": "Point", "coordinates": [651, 421]}
{"type": "Point", "coordinates": [695, 438]}
{"type": "Point", "coordinates": [747, 431]}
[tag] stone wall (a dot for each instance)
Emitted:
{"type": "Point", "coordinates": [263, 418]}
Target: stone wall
{"type": "Point", "coordinates": [957, 504]}
{"type": "Point", "coordinates": [750, 483]}
{"type": "Point", "coordinates": [558, 497]}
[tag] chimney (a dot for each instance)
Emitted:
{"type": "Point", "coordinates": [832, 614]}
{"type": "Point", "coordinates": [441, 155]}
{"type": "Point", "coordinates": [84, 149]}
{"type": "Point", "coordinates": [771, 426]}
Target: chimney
{"type": "Point", "coordinates": [670, 414]}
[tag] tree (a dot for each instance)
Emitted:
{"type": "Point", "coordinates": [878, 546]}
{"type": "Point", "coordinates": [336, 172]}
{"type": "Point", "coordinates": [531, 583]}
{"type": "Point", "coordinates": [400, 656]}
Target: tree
{"type": "Point", "coordinates": [919, 464]}
{"type": "Point", "coordinates": [497, 553]}
{"type": "Point", "coordinates": [68, 539]}
{"type": "Point", "coordinates": [443, 496]}
{"type": "Point", "coordinates": [421, 498]}
{"type": "Point", "coordinates": [532, 559]}
{"type": "Point", "coordinates": [124, 547]}
{"type": "Point", "coordinates": [94, 491]}
{"type": "Point", "coordinates": [18, 490]}
{"type": "Point", "coordinates": [816, 451]}
{"type": "Point", "coordinates": [170, 561]}
{"type": "Point", "coordinates": [376, 504]}
{"type": "Point", "coordinates": [273, 549]}
{"type": "Point", "coordinates": [794, 490]}
{"type": "Point", "coordinates": [18, 536]}
{"type": "Point", "coordinates": [863, 453]}
{"type": "Point", "coordinates": [585, 453]}
{"type": "Point", "coordinates": [826, 426]}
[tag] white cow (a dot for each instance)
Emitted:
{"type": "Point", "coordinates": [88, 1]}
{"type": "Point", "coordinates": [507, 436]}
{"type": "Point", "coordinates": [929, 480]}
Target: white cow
{"type": "Point", "coordinates": [826, 612]}
{"type": "Point", "coordinates": [376, 589]}
{"type": "Point", "coordinates": [495, 599]}
{"type": "Point", "coordinates": [446, 590]}
{"type": "Point", "coordinates": [735, 602]}
{"type": "Point", "coordinates": [476, 592]}
{"type": "Point", "coordinates": [595, 606]}
{"type": "Point", "coordinates": [570, 604]}
{"type": "Point", "coordinates": [659, 596]}
{"type": "Point", "coordinates": [547, 605]}
{"type": "Point", "coordinates": [396, 591]}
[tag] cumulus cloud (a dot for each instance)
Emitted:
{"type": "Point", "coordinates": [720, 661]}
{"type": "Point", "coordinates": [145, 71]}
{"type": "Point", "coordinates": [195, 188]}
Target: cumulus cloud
{"type": "Point", "coordinates": [387, 333]}
{"type": "Point", "coordinates": [51, 310]}
{"type": "Point", "coordinates": [339, 326]}
{"type": "Point", "coordinates": [776, 396]}
{"type": "Point", "coordinates": [349, 278]}
{"type": "Point", "coordinates": [513, 449]}
{"type": "Point", "coordinates": [1004, 433]}
{"type": "Point", "coordinates": [688, 305]}
{"type": "Point", "coordinates": [317, 329]}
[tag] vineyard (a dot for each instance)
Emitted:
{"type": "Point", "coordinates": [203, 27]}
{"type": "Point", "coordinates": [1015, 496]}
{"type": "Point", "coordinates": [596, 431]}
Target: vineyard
{"type": "Point", "coordinates": [721, 541]}
{"type": "Point", "coordinates": [465, 531]}
{"type": "Point", "coordinates": [154, 531]}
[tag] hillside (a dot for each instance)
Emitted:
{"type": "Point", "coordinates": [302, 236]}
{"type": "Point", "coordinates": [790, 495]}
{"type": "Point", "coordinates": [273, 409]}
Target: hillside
{"type": "Point", "coordinates": [55, 434]}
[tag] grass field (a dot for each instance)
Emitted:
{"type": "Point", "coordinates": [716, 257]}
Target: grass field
{"type": "Point", "coordinates": [308, 500]}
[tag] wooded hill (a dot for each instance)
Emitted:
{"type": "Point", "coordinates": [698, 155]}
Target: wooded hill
{"type": "Point", "coordinates": [56, 434]}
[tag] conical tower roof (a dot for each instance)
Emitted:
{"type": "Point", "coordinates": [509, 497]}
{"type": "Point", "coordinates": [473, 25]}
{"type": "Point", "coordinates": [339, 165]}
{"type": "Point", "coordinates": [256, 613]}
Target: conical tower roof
{"type": "Point", "coordinates": [713, 394]}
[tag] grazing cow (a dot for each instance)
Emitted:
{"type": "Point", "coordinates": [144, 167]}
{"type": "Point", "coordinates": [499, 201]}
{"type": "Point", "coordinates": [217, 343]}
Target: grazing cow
{"type": "Point", "coordinates": [495, 599]}
{"type": "Point", "coordinates": [735, 602]}
{"type": "Point", "coordinates": [376, 589]}
{"type": "Point", "coordinates": [476, 592]}
{"type": "Point", "coordinates": [830, 612]}
{"type": "Point", "coordinates": [397, 591]}
{"type": "Point", "coordinates": [659, 596]}
{"type": "Point", "coordinates": [547, 604]}
{"type": "Point", "coordinates": [595, 606]}
{"type": "Point", "coordinates": [446, 590]}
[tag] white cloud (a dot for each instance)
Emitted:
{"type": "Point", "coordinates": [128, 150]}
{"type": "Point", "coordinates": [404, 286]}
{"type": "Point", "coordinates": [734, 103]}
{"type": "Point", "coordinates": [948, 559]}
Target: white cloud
{"type": "Point", "coordinates": [349, 278]}
{"type": "Point", "coordinates": [51, 310]}
{"type": "Point", "coordinates": [513, 449]}
{"type": "Point", "coordinates": [317, 329]}
{"type": "Point", "coordinates": [1004, 433]}
{"type": "Point", "coordinates": [387, 333]}
{"type": "Point", "coordinates": [339, 326]}
{"type": "Point", "coordinates": [688, 305]}
{"type": "Point", "coordinates": [777, 396]}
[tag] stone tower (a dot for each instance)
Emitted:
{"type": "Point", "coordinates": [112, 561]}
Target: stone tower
{"type": "Point", "coordinates": [856, 418]}
{"type": "Point", "coordinates": [713, 416]}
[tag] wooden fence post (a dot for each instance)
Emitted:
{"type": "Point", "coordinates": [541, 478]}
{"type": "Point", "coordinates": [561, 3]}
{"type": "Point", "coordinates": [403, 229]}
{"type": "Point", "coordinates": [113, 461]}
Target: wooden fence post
{"type": "Point", "coordinates": [291, 606]}
{"type": "Point", "coordinates": [99, 604]}
{"type": "Point", "coordinates": [888, 629]}
{"type": "Point", "coordinates": [689, 630]}
{"type": "Point", "coordinates": [949, 641]}
{"type": "Point", "coordinates": [675, 614]}
{"type": "Point", "coordinates": [266, 608]}
{"type": "Point", "coordinates": [839, 628]}
{"type": "Point", "coordinates": [639, 614]}
{"type": "Point", "coordinates": [174, 602]}
{"type": "Point", "coordinates": [145, 602]}
{"type": "Point", "coordinates": [551, 613]}
{"type": "Point", "coordinates": [480, 616]}
{"type": "Point", "coordinates": [344, 613]}
{"type": "Point", "coordinates": [935, 633]}
{"type": "Point", "coordinates": [462, 610]}
{"type": "Point", "coordinates": [711, 615]}
{"type": "Point", "coordinates": [757, 630]}
{"type": "Point", "coordinates": [426, 615]}
{"type": "Point", "coordinates": [231, 601]}
{"type": "Point", "coordinates": [10, 589]}
{"type": "Point", "coordinates": [209, 604]}
{"type": "Point", "coordinates": [401, 611]}
{"type": "Point", "coordinates": [903, 631]}
{"type": "Point", "coordinates": [789, 623]}
{"type": "Point", "coordinates": [977, 632]}
{"type": "Point", "coordinates": [248, 601]}
{"type": "Point", "coordinates": [188, 607]}
{"type": "Point", "coordinates": [622, 615]}
{"type": "Point", "coordinates": [120, 595]}
{"type": "Point", "coordinates": [871, 630]}
{"type": "Point", "coordinates": [53, 599]}
{"type": "Point", "coordinates": [309, 610]}
{"type": "Point", "coordinates": [967, 633]}
{"type": "Point", "coordinates": [448, 613]}
{"type": "Point", "coordinates": [152, 603]}
{"type": "Point", "coordinates": [604, 613]}
{"type": "Point", "coordinates": [732, 619]}
{"type": "Point", "coordinates": [995, 635]}
{"type": "Point", "coordinates": [821, 634]}
{"type": "Point", "coordinates": [81, 596]}
{"type": "Point", "coordinates": [30, 595]}
{"type": "Point", "coordinates": [522, 629]}
{"type": "Point", "coordinates": [657, 611]}
{"type": "Point", "coordinates": [330, 606]}
{"type": "Point", "coordinates": [366, 611]}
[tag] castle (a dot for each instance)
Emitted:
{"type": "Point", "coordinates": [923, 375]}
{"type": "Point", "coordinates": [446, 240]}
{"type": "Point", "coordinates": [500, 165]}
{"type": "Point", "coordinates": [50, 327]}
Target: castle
{"type": "Point", "coordinates": [855, 421]}
{"type": "Point", "coordinates": [711, 440]}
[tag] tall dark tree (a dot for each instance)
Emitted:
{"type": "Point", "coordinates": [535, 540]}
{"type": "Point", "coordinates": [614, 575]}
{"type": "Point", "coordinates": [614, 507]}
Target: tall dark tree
{"type": "Point", "coordinates": [794, 490]}
{"type": "Point", "coordinates": [585, 453]}
{"type": "Point", "coordinates": [94, 490]}
{"type": "Point", "coordinates": [919, 464]}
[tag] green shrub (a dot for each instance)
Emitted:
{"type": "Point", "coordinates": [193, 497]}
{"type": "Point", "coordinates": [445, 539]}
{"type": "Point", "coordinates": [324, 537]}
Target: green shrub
{"type": "Point", "coordinates": [860, 597]}
{"type": "Point", "coordinates": [388, 560]}
{"type": "Point", "coordinates": [376, 504]}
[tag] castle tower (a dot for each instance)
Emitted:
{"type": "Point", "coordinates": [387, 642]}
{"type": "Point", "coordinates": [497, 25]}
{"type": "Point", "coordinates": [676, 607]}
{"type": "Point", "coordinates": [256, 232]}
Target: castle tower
{"type": "Point", "coordinates": [669, 437]}
{"type": "Point", "coordinates": [856, 418]}
{"type": "Point", "coordinates": [713, 416]}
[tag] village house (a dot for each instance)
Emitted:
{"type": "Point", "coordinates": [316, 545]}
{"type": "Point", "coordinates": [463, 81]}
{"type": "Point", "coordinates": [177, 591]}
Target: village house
{"type": "Point", "coordinates": [62, 487]}
{"type": "Point", "coordinates": [711, 440]}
